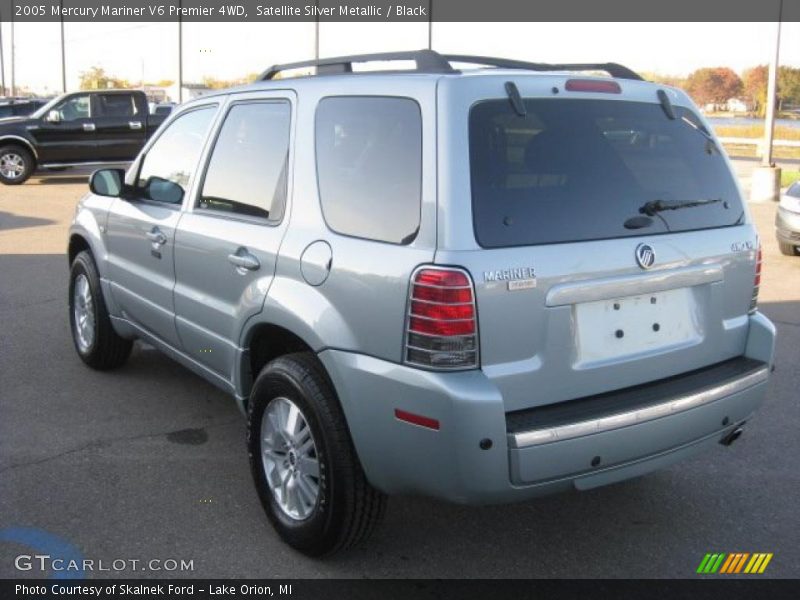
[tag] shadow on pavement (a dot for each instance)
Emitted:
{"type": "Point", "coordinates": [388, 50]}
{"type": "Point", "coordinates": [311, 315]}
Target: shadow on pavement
{"type": "Point", "coordinates": [12, 221]}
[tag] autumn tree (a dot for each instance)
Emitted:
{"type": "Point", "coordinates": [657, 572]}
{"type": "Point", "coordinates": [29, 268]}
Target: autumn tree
{"type": "Point", "coordinates": [715, 85]}
{"type": "Point", "coordinates": [671, 80]}
{"type": "Point", "coordinates": [755, 86]}
{"type": "Point", "coordinates": [97, 79]}
{"type": "Point", "coordinates": [788, 86]}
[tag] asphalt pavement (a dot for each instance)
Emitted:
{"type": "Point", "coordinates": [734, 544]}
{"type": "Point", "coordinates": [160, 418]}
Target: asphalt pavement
{"type": "Point", "coordinates": [149, 462]}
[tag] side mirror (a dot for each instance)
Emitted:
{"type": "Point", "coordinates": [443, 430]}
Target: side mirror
{"type": "Point", "coordinates": [163, 190]}
{"type": "Point", "coordinates": [107, 182]}
{"type": "Point", "coordinates": [53, 117]}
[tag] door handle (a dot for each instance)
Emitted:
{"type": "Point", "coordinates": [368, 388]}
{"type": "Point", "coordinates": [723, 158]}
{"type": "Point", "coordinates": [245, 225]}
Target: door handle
{"type": "Point", "coordinates": [156, 236]}
{"type": "Point", "coordinates": [135, 124]}
{"type": "Point", "coordinates": [244, 261]}
{"type": "Point", "coordinates": [88, 127]}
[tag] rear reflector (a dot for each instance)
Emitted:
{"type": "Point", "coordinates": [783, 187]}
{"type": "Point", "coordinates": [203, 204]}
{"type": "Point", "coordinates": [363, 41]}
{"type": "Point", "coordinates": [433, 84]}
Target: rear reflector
{"type": "Point", "coordinates": [442, 329]}
{"type": "Point", "coordinates": [416, 419]}
{"type": "Point", "coordinates": [756, 281]}
{"type": "Point", "coordinates": [593, 85]}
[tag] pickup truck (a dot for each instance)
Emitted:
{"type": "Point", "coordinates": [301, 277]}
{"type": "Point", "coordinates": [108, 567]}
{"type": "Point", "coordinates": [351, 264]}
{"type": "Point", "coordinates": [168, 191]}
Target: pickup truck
{"type": "Point", "coordinates": [79, 128]}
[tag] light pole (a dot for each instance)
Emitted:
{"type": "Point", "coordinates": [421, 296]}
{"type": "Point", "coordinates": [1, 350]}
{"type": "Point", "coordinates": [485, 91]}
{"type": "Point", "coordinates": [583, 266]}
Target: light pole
{"type": "Point", "coordinates": [772, 93]}
{"type": "Point", "coordinates": [430, 25]}
{"type": "Point", "coordinates": [180, 55]}
{"type": "Point", "coordinates": [316, 32]}
{"type": "Point", "coordinates": [13, 82]}
{"type": "Point", "coordinates": [63, 53]}
{"type": "Point", "coordinates": [2, 61]}
{"type": "Point", "coordinates": [766, 180]}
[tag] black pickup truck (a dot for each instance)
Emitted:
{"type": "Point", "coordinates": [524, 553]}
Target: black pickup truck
{"type": "Point", "coordinates": [80, 128]}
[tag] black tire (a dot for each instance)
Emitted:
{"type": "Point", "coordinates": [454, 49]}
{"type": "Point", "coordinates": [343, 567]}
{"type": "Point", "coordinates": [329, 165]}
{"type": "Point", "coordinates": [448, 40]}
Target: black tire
{"type": "Point", "coordinates": [107, 350]}
{"type": "Point", "coordinates": [348, 508]}
{"type": "Point", "coordinates": [28, 163]}
{"type": "Point", "coordinates": [787, 249]}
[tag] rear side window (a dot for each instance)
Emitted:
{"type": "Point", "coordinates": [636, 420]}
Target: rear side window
{"type": "Point", "coordinates": [575, 170]}
{"type": "Point", "coordinates": [369, 165]}
{"type": "Point", "coordinates": [116, 105]}
{"type": "Point", "coordinates": [247, 171]}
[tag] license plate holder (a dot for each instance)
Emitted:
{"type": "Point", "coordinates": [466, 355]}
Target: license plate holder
{"type": "Point", "coordinates": [607, 330]}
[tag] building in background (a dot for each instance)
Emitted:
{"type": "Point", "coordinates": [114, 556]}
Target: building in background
{"type": "Point", "coordinates": [190, 91]}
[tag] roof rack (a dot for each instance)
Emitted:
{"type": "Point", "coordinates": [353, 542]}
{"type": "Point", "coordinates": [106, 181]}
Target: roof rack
{"type": "Point", "coordinates": [615, 70]}
{"type": "Point", "coordinates": [429, 61]}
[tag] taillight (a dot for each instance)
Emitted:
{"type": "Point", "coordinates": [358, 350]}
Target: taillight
{"type": "Point", "coordinates": [442, 325]}
{"type": "Point", "coordinates": [756, 281]}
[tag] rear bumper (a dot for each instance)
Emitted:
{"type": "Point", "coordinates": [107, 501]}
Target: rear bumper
{"type": "Point", "coordinates": [450, 463]}
{"type": "Point", "coordinates": [787, 226]}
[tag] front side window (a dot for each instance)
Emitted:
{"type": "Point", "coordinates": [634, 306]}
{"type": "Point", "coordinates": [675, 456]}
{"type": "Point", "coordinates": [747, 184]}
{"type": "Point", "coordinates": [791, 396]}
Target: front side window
{"type": "Point", "coordinates": [369, 166]}
{"type": "Point", "coordinates": [172, 159]}
{"type": "Point", "coordinates": [247, 173]}
{"type": "Point", "coordinates": [76, 107]}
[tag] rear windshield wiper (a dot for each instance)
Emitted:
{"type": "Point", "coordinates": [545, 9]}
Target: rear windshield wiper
{"type": "Point", "coordinates": [654, 207]}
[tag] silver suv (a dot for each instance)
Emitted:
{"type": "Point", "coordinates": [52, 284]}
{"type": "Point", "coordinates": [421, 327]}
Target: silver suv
{"type": "Point", "coordinates": [480, 284]}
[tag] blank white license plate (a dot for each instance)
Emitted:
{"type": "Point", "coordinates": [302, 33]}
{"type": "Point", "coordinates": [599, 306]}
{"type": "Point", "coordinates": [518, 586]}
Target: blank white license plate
{"type": "Point", "coordinates": [610, 329]}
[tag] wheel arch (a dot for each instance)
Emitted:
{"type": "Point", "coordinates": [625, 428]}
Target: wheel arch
{"type": "Point", "coordinates": [77, 243]}
{"type": "Point", "coordinates": [11, 140]}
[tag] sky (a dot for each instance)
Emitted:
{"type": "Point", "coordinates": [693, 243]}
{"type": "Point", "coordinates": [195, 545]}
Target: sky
{"type": "Point", "coordinates": [148, 51]}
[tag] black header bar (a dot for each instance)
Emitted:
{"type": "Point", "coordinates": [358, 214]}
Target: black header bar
{"type": "Point", "coordinates": [398, 10]}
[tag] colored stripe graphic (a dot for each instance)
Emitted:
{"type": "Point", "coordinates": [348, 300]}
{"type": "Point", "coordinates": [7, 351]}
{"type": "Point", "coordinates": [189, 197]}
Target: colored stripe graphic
{"type": "Point", "coordinates": [727, 565]}
{"type": "Point", "coordinates": [734, 563]}
{"type": "Point", "coordinates": [713, 563]}
{"type": "Point", "coordinates": [703, 563]}
{"type": "Point", "coordinates": [754, 563]}
{"type": "Point", "coordinates": [740, 564]}
{"type": "Point", "coordinates": [765, 563]}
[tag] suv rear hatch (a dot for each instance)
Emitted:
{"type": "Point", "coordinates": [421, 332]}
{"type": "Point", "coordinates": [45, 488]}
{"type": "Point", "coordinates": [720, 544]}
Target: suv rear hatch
{"type": "Point", "coordinates": [607, 237]}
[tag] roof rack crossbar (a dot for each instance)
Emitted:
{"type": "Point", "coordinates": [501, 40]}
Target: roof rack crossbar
{"type": "Point", "coordinates": [614, 69]}
{"type": "Point", "coordinates": [427, 61]}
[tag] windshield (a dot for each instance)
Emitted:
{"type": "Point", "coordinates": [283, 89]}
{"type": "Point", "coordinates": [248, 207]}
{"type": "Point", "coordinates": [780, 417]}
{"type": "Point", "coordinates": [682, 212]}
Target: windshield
{"type": "Point", "coordinates": [575, 170]}
{"type": "Point", "coordinates": [47, 107]}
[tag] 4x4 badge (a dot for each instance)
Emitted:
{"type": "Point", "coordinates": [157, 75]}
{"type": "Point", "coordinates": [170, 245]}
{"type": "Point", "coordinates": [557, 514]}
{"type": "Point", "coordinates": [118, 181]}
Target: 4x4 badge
{"type": "Point", "coordinates": [645, 256]}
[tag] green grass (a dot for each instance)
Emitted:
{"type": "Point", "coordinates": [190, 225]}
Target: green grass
{"type": "Point", "coordinates": [789, 177]}
{"type": "Point", "coordinates": [757, 131]}
{"type": "Point", "coordinates": [749, 150]}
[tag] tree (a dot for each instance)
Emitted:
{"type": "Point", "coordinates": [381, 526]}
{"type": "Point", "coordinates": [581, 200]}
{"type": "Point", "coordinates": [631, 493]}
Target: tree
{"type": "Point", "coordinates": [97, 79]}
{"type": "Point", "coordinates": [788, 86]}
{"type": "Point", "coordinates": [714, 85]}
{"type": "Point", "coordinates": [755, 86]}
{"type": "Point", "coordinates": [671, 80]}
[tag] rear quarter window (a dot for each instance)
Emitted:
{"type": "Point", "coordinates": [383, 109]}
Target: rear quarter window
{"type": "Point", "coordinates": [573, 170]}
{"type": "Point", "coordinates": [369, 166]}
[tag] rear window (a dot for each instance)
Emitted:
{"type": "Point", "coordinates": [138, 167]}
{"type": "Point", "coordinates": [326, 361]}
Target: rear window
{"type": "Point", "coordinates": [576, 170]}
